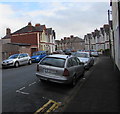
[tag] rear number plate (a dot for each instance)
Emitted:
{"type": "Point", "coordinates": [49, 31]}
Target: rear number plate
{"type": "Point", "coordinates": [49, 71]}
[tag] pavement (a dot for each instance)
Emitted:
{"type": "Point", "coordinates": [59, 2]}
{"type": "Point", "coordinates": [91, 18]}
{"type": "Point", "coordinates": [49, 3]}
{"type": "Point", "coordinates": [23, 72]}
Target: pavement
{"type": "Point", "coordinates": [100, 92]}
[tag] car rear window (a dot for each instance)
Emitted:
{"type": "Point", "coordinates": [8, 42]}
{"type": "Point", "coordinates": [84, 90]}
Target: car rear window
{"type": "Point", "coordinates": [51, 61]}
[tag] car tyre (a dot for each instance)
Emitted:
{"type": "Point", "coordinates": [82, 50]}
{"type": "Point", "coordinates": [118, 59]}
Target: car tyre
{"type": "Point", "coordinates": [16, 64]}
{"type": "Point", "coordinates": [74, 81]}
{"type": "Point", "coordinates": [83, 73]}
{"type": "Point", "coordinates": [29, 62]}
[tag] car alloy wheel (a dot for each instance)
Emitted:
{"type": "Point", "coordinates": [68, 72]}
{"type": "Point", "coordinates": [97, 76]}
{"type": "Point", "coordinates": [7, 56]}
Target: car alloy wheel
{"type": "Point", "coordinates": [16, 64]}
{"type": "Point", "coordinates": [29, 62]}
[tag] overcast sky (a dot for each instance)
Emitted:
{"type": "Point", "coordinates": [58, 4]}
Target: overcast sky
{"type": "Point", "coordinates": [66, 18]}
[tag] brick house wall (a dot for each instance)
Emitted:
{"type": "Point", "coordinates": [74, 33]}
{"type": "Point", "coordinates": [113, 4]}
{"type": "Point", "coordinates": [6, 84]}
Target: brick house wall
{"type": "Point", "coordinates": [29, 38]}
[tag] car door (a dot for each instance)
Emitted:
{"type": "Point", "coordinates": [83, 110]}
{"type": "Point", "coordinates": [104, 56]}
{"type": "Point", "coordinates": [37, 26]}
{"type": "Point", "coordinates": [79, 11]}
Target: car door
{"type": "Point", "coordinates": [42, 54]}
{"type": "Point", "coordinates": [79, 66]}
{"type": "Point", "coordinates": [26, 58]}
{"type": "Point", "coordinates": [21, 59]}
{"type": "Point", "coordinates": [71, 67]}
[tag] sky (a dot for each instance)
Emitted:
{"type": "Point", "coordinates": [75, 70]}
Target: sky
{"type": "Point", "coordinates": [66, 18]}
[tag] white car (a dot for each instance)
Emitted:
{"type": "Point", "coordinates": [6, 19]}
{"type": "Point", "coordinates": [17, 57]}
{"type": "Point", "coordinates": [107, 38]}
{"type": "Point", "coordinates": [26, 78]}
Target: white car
{"type": "Point", "coordinates": [94, 54]}
{"type": "Point", "coordinates": [85, 58]}
{"type": "Point", "coordinates": [16, 60]}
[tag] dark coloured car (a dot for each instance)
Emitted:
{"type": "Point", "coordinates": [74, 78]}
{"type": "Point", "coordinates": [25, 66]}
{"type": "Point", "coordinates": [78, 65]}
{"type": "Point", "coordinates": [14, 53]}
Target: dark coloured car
{"type": "Point", "coordinates": [37, 56]}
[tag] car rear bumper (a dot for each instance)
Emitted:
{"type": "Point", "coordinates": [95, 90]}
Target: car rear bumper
{"type": "Point", "coordinates": [56, 79]}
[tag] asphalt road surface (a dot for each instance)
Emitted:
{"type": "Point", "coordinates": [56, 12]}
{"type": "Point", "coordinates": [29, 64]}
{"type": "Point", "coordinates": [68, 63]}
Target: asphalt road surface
{"type": "Point", "coordinates": [23, 92]}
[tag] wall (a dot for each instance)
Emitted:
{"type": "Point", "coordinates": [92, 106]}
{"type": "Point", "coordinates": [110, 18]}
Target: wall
{"type": "Point", "coordinates": [9, 49]}
{"type": "Point", "coordinates": [29, 38]}
{"type": "Point", "coordinates": [115, 17]}
{"type": "Point", "coordinates": [25, 49]}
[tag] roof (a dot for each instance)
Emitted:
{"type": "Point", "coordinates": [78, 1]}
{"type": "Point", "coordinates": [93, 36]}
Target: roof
{"type": "Point", "coordinates": [25, 29]}
{"type": "Point", "coordinates": [49, 30]}
{"type": "Point", "coordinates": [30, 28]}
{"type": "Point", "coordinates": [6, 36]}
{"type": "Point", "coordinates": [40, 28]}
{"type": "Point", "coordinates": [58, 56]}
{"type": "Point", "coordinates": [20, 44]}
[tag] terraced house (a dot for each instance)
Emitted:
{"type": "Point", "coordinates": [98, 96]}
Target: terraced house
{"type": "Point", "coordinates": [98, 40]}
{"type": "Point", "coordinates": [72, 42]}
{"type": "Point", "coordinates": [38, 37]}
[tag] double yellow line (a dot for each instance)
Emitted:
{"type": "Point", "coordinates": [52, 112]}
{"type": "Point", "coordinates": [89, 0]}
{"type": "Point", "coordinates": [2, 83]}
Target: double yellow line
{"type": "Point", "coordinates": [54, 105]}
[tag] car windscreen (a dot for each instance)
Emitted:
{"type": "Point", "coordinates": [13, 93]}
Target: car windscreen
{"type": "Point", "coordinates": [52, 61]}
{"type": "Point", "coordinates": [13, 56]}
{"type": "Point", "coordinates": [85, 55]}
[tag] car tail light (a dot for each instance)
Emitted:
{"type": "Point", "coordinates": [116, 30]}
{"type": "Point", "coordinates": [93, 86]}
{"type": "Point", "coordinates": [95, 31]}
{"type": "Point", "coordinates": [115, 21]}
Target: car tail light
{"type": "Point", "coordinates": [66, 72]}
{"type": "Point", "coordinates": [37, 67]}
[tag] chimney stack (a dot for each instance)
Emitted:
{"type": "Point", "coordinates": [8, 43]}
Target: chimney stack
{"type": "Point", "coordinates": [65, 38]}
{"type": "Point", "coordinates": [37, 25]}
{"type": "Point", "coordinates": [8, 31]}
{"type": "Point", "coordinates": [71, 36]}
{"type": "Point", "coordinates": [29, 24]}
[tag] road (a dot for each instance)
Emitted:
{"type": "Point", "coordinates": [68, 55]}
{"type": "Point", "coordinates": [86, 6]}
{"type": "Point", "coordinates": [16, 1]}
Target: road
{"type": "Point", "coordinates": [23, 92]}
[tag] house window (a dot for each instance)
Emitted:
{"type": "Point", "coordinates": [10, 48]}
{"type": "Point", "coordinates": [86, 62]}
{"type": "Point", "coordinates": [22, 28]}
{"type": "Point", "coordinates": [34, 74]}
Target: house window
{"type": "Point", "coordinates": [106, 37]}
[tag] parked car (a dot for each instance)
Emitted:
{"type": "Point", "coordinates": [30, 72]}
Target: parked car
{"type": "Point", "coordinates": [58, 52]}
{"type": "Point", "coordinates": [94, 53]}
{"type": "Point", "coordinates": [85, 58]}
{"type": "Point", "coordinates": [67, 51]}
{"type": "Point", "coordinates": [16, 60]}
{"type": "Point", "coordinates": [60, 69]}
{"type": "Point", "coordinates": [37, 56]}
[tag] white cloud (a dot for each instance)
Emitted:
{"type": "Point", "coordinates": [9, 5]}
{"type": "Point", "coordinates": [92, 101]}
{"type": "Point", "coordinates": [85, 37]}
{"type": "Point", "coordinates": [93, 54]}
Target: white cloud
{"type": "Point", "coordinates": [8, 19]}
{"type": "Point", "coordinates": [50, 11]}
{"type": "Point", "coordinates": [55, 1]}
{"type": "Point", "coordinates": [68, 18]}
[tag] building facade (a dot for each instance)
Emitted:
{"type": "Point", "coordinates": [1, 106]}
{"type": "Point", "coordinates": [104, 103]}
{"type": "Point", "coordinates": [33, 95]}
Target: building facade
{"type": "Point", "coordinates": [74, 43]}
{"type": "Point", "coordinates": [98, 40]}
{"type": "Point", "coordinates": [39, 37]}
{"type": "Point", "coordinates": [115, 6]}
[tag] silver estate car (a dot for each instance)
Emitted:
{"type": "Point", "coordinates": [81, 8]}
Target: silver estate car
{"type": "Point", "coordinates": [85, 58]}
{"type": "Point", "coordinates": [16, 60]}
{"type": "Point", "coordinates": [60, 69]}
